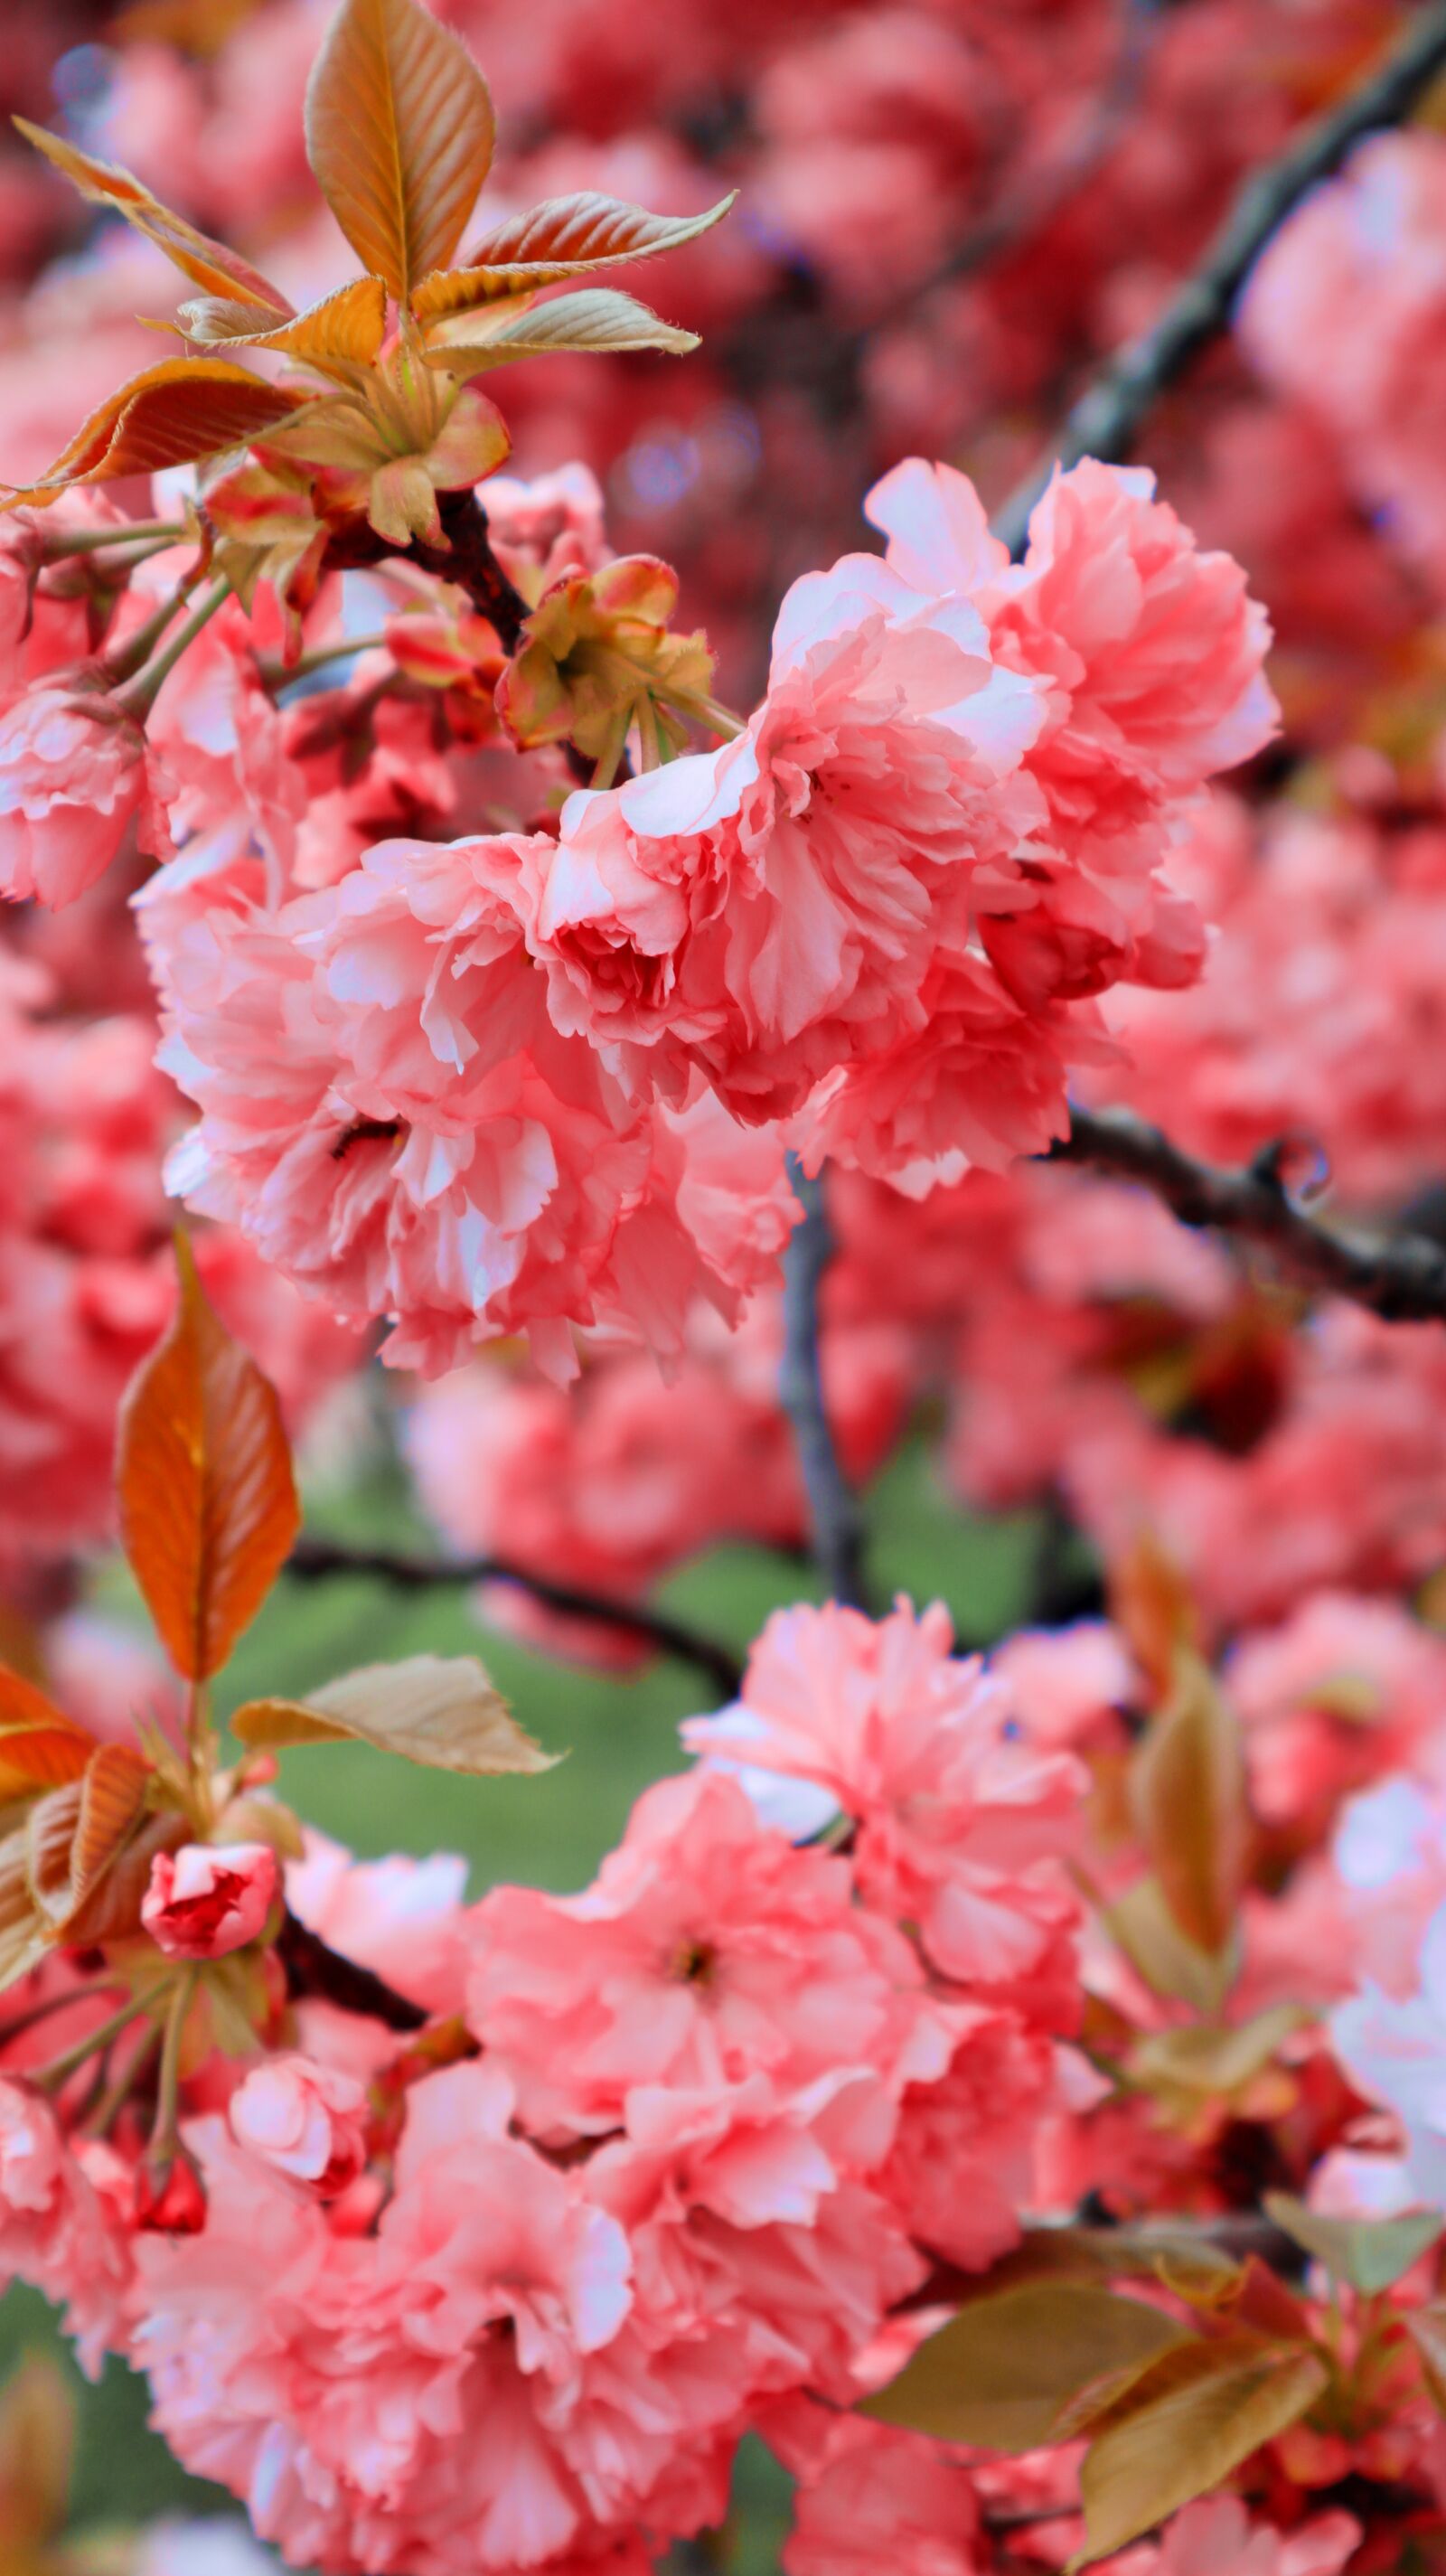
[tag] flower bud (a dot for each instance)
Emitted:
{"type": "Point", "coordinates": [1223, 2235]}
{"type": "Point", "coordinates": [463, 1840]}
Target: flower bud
{"type": "Point", "coordinates": [207, 1899]}
{"type": "Point", "coordinates": [170, 2195]}
{"type": "Point", "coordinates": [305, 2120]}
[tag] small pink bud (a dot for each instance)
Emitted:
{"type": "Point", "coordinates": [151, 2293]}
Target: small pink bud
{"type": "Point", "coordinates": [170, 2196]}
{"type": "Point", "coordinates": [306, 2120]}
{"type": "Point", "coordinates": [208, 1898]}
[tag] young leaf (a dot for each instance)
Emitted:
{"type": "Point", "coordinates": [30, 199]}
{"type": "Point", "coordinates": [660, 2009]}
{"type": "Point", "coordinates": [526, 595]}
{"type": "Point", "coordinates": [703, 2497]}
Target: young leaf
{"type": "Point", "coordinates": [210, 264]}
{"type": "Point", "coordinates": [1170, 1963]}
{"type": "Point", "coordinates": [170, 415]}
{"type": "Point", "coordinates": [49, 1834]}
{"type": "Point", "coordinates": [1427, 2330]}
{"type": "Point", "coordinates": [1370, 2254]}
{"type": "Point", "coordinates": [112, 1802]}
{"type": "Point", "coordinates": [596, 318]}
{"type": "Point", "coordinates": [208, 1506]}
{"type": "Point", "coordinates": [1197, 2058]}
{"type": "Point", "coordinates": [1187, 1789]}
{"type": "Point", "coordinates": [344, 329]}
{"type": "Point", "coordinates": [1001, 2372]}
{"type": "Point", "coordinates": [438, 1710]}
{"type": "Point", "coordinates": [563, 237]}
{"type": "Point", "coordinates": [399, 132]}
{"type": "Point", "coordinates": [1185, 2424]}
{"type": "Point", "coordinates": [22, 1933]}
{"type": "Point", "coordinates": [40, 1748]}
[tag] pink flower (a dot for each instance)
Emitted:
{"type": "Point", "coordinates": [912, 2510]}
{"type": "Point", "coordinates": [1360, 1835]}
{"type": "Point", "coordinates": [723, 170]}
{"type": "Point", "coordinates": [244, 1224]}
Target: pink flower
{"type": "Point", "coordinates": [208, 1898]}
{"type": "Point", "coordinates": [960, 1827]}
{"type": "Point", "coordinates": [1217, 2532]}
{"type": "Point", "coordinates": [869, 2497]}
{"type": "Point", "coordinates": [393, 1118]}
{"type": "Point", "coordinates": [64, 2222]}
{"type": "Point", "coordinates": [74, 778]}
{"type": "Point", "coordinates": [307, 2120]}
{"type": "Point", "coordinates": [707, 1950]}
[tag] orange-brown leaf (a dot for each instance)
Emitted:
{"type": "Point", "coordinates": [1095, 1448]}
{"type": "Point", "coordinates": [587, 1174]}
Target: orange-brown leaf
{"type": "Point", "coordinates": [49, 1834]}
{"type": "Point", "coordinates": [112, 1801]}
{"type": "Point", "coordinates": [207, 1501]}
{"type": "Point", "coordinates": [399, 132]}
{"type": "Point", "coordinates": [40, 1748]}
{"type": "Point", "coordinates": [210, 264]}
{"type": "Point", "coordinates": [170, 415]}
{"type": "Point", "coordinates": [344, 329]}
{"type": "Point", "coordinates": [1188, 1795]}
{"type": "Point", "coordinates": [561, 238]}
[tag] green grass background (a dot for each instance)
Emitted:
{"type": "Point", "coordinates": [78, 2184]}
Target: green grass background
{"type": "Point", "coordinates": [618, 1733]}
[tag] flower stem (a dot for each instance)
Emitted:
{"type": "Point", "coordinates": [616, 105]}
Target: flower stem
{"type": "Point", "coordinates": [93, 541]}
{"type": "Point", "coordinates": [165, 2136]}
{"type": "Point", "coordinates": [279, 675]}
{"type": "Point", "coordinates": [139, 694]}
{"type": "Point", "coordinates": [57, 2070]}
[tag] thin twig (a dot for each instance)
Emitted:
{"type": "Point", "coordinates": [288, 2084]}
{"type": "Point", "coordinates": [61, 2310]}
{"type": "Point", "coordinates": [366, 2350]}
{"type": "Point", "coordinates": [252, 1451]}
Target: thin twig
{"type": "Point", "coordinates": [1400, 1276]}
{"type": "Point", "coordinates": [835, 1526]}
{"type": "Point", "coordinates": [1108, 414]}
{"type": "Point", "coordinates": [315, 1559]}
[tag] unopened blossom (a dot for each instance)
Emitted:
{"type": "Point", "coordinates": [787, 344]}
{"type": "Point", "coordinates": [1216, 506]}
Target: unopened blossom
{"type": "Point", "coordinates": [209, 1898]}
{"type": "Point", "coordinates": [74, 779]}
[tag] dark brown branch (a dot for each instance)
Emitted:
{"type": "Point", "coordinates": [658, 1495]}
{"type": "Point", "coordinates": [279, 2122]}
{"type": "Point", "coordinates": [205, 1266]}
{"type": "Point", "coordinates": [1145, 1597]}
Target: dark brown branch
{"type": "Point", "coordinates": [313, 1968]}
{"type": "Point", "coordinates": [1400, 1276]}
{"type": "Point", "coordinates": [314, 1560]}
{"type": "Point", "coordinates": [1105, 420]}
{"type": "Point", "coordinates": [835, 1525]}
{"type": "Point", "coordinates": [467, 559]}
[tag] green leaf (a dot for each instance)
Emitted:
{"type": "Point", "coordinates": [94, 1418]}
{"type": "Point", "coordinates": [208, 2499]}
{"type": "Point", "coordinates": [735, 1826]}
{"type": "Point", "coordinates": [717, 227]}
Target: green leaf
{"type": "Point", "coordinates": [1370, 2254]}
{"type": "Point", "coordinates": [1185, 2424]}
{"type": "Point", "coordinates": [1002, 2372]}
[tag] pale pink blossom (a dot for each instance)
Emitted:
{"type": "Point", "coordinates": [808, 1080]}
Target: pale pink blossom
{"type": "Point", "coordinates": [960, 1825]}
{"type": "Point", "coordinates": [306, 2120]}
{"type": "Point", "coordinates": [707, 1951]}
{"type": "Point", "coordinates": [75, 778]}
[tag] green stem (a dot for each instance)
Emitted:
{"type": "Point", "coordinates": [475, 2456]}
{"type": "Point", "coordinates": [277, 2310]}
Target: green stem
{"type": "Point", "coordinates": [279, 675]}
{"type": "Point", "coordinates": [139, 694]}
{"type": "Point", "coordinates": [165, 2136]}
{"type": "Point", "coordinates": [118, 2092]}
{"type": "Point", "coordinates": [57, 2070]}
{"type": "Point", "coordinates": [94, 541]}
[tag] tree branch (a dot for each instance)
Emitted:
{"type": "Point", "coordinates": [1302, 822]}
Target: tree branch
{"type": "Point", "coordinates": [1107, 416]}
{"type": "Point", "coordinates": [835, 1526]}
{"type": "Point", "coordinates": [467, 560]}
{"type": "Point", "coordinates": [1400, 1276]}
{"type": "Point", "coordinates": [313, 1968]}
{"type": "Point", "coordinates": [314, 1560]}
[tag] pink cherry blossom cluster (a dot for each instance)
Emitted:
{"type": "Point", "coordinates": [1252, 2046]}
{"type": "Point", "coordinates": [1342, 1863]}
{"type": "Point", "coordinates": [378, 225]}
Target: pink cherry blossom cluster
{"type": "Point", "coordinates": [710, 2124]}
{"type": "Point", "coordinates": [534, 1082]}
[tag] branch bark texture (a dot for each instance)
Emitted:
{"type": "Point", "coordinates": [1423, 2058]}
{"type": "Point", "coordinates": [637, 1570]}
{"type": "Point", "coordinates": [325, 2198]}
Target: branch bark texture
{"type": "Point", "coordinates": [315, 1560]}
{"type": "Point", "coordinates": [835, 1524]}
{"type": "Point", "coordinates": [1108, 415]}
{"type": "Point", "coordinates": [1399, 1275]}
